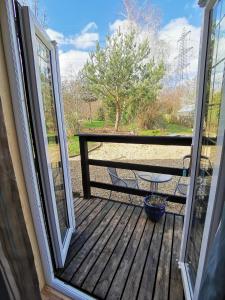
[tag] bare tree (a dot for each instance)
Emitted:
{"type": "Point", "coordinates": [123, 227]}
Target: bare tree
{"type": "Point", "coordinates": [35, 6]}
{"type": "Point", "coordinates": [145, 15]}
{"type": "Point", "coordinates": [147, 20]}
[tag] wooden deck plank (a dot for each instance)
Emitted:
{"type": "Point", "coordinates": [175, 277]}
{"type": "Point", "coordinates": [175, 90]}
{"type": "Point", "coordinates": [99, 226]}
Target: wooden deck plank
{"type": "Point", "coordinates": [106, 278]}
{"type": "Point", "coordinates": [86, 247]}
{"type": "Point", "coordinates": [90, 218]}
{"type": "Point", "coordinates": [77, 201]}
{"type": "Point", "coordinates": [88, 260]}
{"type": "Point", "coordinates": [79, 242]}
{"type": "Point", "coordinates": [119, 281]}
{"type": "Point", "coordinates": [146, 289]}
{"type": "Point", "coordinates": [81, 217]}
{"type": "Point", "coordinates": [134, 279]}
{"type": "Point", "coordinates": [176, 287]}
{"type": "Point", "coordinates": [80, 208]}
{"type": "Point", "coordinates": [163, 273]}
{"type": "Point", "coordinates": [116, 253]}
{"type": "Point", "coordinates": [96, 271]}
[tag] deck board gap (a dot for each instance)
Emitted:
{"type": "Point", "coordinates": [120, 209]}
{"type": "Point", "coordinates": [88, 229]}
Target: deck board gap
{"type": "Point", "coordinates": [82, 208]}
{"type": "Point", "coordinates": [171, 258]}
{"type": "Point", "coordinates": [161, 242]}
{"type": "Point", "coordinates": [97, 257]}
{"type": "Point", "coordinates": [108, 259]}
{"type": "Point", "coordinates": [134, 258]}
{"type": "Point", "coordinates": [99, 238]}
{"type": "Point", "coordinates": [86, 212]}
{"type": "Point", "coordinates": [98, 220]}
{"type": "Point", "coordinates": [149, 247]}
{"type": "Point", "coordinates": [124, 252]}
{"type": "Point", "coordinates": [104, 222]}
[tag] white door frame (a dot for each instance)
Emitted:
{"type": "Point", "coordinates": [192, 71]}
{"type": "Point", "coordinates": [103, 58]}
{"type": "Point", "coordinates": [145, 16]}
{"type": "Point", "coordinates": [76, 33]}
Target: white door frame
{"type": "Point", "coordinates": [12, 55]}
{"type": "Point", "coordinates": [215, 197]}
{"type": "Point", "coordinates": [30, 31]}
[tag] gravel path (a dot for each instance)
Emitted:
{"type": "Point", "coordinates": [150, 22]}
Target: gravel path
{"type": "Point", "coordinates": [143, 154]}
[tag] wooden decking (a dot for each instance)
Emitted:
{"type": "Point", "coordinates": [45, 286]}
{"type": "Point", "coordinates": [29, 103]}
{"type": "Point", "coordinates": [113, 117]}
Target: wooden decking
{"type": "Point", "coordinates": [117, 253]}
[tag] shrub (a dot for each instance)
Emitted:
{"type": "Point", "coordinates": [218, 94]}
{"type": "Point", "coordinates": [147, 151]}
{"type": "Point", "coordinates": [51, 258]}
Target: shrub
{"type": "Point", "coordinates": [152, 117]}
{"type": "Point", "coordinates": [72, 123]}
{"type": "Point", "coordinates": [101, 114]}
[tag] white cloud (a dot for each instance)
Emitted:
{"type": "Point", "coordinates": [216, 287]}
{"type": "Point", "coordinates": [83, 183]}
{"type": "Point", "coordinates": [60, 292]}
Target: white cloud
{"type": "Point", "coordinates": [122, 25]}
{"type": "Point", "coordinates": [56, 36]}
{"type": "Point", "coordinates": [170, 34]}
{"type": "Point", "coordinates": [84, 40]}
{"type": "Point", "coordinates": [90, 26]}
{"type": "Point", "coordinates": [71, 62]}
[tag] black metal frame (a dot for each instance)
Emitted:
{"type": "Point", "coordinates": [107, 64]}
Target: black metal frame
{"type": "Point", "coordinates": [128, 139]}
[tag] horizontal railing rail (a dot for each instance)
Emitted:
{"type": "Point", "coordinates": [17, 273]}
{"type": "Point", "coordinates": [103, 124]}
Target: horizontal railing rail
{"type": "Point", "coordinates": [136, 167]}
{"type": "Point", "coordinates": [128, 139]}
{"type": "Point", "coordinates": [137, 192]}
{"type": "Point", "coordinates": [134, 139]}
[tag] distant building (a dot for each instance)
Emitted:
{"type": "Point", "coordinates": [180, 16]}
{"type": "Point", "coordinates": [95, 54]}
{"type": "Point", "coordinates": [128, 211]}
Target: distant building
{"type": "Point", "coordinates": [186, 114]}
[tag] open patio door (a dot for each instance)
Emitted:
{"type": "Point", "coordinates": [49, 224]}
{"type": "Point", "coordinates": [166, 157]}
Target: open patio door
{"type": "Point", "coordinates": [204, 201]}
{"type": "Point", "coordinates": [45, 108]}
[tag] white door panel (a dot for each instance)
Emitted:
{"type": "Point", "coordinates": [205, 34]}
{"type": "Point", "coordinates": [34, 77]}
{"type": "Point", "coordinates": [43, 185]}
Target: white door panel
{"type": "Point", "coordinates": [47, 126]}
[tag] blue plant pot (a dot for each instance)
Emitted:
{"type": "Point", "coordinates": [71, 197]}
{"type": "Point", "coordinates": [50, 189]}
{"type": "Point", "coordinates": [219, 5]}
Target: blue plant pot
{"type": "Point", "coordinates": [154, 212]}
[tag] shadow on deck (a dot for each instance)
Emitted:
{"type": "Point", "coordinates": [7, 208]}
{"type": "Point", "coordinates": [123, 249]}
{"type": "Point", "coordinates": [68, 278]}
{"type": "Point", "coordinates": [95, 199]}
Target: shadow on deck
{"type": "Point", "coordinates": [117, 253]}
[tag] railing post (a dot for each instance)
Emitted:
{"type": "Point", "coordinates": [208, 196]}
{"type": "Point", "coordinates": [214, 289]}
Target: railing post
{"type": "Point", "coordinates": [85, 167]}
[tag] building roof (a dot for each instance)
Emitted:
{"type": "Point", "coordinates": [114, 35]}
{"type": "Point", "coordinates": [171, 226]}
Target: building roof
{"type": "Point", "coordinates": [190, 108]}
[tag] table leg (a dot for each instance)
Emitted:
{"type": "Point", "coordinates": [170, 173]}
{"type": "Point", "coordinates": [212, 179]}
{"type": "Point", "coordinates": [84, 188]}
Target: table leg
{"type": "Point", "coordinates": [151, 186]}
{"type": "Point", "coordinates": [154, 186]}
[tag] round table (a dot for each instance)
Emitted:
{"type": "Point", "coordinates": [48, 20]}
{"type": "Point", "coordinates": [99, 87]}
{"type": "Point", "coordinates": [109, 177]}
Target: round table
{"type": "Point", "coordinates": [154, 179]}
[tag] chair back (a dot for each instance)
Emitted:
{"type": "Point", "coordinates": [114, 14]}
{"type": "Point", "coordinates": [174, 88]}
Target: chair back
{"type": "Point", "coordinates": [205, 163]}
{"type": "Point", "coordinates": [186, 163]}
{"type": "Point", "coordinates": [113, 175]}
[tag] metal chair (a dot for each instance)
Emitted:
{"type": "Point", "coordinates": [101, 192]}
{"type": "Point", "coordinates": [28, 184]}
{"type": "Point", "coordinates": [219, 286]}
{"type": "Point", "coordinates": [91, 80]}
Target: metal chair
{"type": "Point", "coordinates": [183, 187]}
{"type": "Point", "coordinates": [116, 180]}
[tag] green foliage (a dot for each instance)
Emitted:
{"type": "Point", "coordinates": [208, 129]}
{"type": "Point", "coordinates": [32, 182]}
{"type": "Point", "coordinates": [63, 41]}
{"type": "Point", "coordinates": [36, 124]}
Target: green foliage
{"type": "Point", "coordinates": [93, 124]}
{"type": "Point", "coordinates": [74, 145]}
{"type": "Point", "coordinates": [72, 123]}
{"type": "Point", "coordinates": [101, 114]}
{"type": "Point", "coordinates": [123, 75]}
{"type": "Point", "coordinates": [169, 129]}
{"type": "Point", "coordinates": [143, 97]}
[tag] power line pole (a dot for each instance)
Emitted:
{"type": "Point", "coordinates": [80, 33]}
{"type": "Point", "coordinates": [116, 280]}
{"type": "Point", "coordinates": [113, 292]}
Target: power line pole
{"type": "Point", "coordinates": [182, 60]}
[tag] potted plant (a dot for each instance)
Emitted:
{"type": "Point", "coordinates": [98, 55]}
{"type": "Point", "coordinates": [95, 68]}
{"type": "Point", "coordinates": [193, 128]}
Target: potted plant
{"type": "Point", "coordinates": [155, 206]}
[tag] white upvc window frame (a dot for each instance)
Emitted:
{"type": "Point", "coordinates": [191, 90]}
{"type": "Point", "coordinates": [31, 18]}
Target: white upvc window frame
{"type": "Point", "coordinates": [31, 30]}
{"type": "Point", "coordinates": [12, 55]}
{"type": "Point", "coordinates": [18, 98]}
{"type": "Point", "coordinates": [215, 201]}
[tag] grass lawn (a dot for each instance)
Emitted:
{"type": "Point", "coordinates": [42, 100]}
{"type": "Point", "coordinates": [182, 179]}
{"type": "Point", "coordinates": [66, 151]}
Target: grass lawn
{"type": "Point", "coordinates": [95, 124]}
{"type": "Point", "coordinates": [170, 129]}
{"type": "Point", "coordinates": [73, 141]}
{"type": "Point", "coordinates": [74, 147]}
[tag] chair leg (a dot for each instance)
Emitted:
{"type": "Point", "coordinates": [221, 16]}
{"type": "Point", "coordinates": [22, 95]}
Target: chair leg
{"type": "Point", "coordinates": [175, 190]}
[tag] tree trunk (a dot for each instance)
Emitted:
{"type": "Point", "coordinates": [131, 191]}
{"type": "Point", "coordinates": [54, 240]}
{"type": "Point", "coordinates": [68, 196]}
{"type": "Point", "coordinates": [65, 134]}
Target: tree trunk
{"type": "Point", "coordinates": [117, 122]}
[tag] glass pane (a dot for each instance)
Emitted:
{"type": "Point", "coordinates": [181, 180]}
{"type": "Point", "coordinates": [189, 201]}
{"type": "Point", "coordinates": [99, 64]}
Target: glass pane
{"type": "Point", "coordinates": [211, 109]}
{"type": "Point", "coordinates": [54, 150]}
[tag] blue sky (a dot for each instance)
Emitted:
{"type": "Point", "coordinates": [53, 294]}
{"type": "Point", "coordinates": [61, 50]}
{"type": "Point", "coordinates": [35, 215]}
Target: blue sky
{"type": "Point", "coordinates": [77, 24]}
{"type": "Point", "coordinates": [70, 16]}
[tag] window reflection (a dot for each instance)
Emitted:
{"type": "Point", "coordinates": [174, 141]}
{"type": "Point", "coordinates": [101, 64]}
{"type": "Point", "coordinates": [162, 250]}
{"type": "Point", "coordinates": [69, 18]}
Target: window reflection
{"type": "Point", "coordinates": [211, 110]}
{"type": "Point", "coordinates": [54, 151]}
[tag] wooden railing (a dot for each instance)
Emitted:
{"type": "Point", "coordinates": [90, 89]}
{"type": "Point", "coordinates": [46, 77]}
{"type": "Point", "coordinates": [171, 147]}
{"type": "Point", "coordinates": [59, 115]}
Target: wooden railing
{"type": "Point", "coordinates": [128, 139]}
